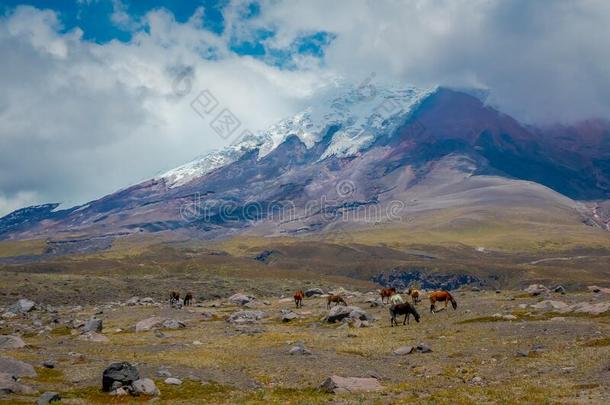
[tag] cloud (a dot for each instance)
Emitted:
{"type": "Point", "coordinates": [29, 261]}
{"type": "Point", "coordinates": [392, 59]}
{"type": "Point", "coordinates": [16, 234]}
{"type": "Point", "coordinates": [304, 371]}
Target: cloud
{"type": "Point", "coordinates": [542, 61]}
{"type": "Point", "coordinates": [79, 119]}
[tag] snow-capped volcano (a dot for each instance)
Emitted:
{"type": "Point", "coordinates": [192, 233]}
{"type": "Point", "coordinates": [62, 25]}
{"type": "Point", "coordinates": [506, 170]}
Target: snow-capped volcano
{"type": "Point", "coordinates": [428, 150]}
{"type": "Point", "coordinates": [361, 114]}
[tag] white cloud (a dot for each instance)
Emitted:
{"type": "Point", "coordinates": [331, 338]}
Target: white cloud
{"type": "Point", "coordinates": [80, 119]}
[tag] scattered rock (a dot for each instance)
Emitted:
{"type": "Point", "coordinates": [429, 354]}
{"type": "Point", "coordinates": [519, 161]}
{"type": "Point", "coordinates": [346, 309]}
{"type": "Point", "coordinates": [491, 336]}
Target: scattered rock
{"type": "Point", "coordinates": [246, 316]}
{"type": "Point", "coordinates": [241, 299]}
{"type": "Point", "coordinates": [313, 291]}
{"type": "Point", "coordinates": [207, 315]}
{"type": "Point", "coordinates": [48, 398]}
{"type": "Point", "coordinates": [403, 350]}
{"type": "Point", "coordinates": [536, 289]}
{"type": "Point", "coordinates": [288, 315]}
{"type": "Point", "coordinates": [119, 392]}
{"type": "Point", "coordinates": [93, 325]}
{"type": "Point", "coordinates": [173, 324]}
{"type": "Point", "coordinates": [423, 348]}
{"type": "Point", "coordinates": [475, 289]}
{"type": "Point", "coordinates": [559, 289]}
{"type": "Point", "coordinates": [23, 306]}
{"type": "Point", "coordinates": [340, 312]}
{"type": "Point", "coordinates": [132, 301]}
{"type": "Point", "coordinates": [11, 342]}
{"type": "Point", "coordinates": [592, 309]}
{"type": "Point", "coordinates": [16, 368]}
{"type": "Point", "coordinates": [10, 385]}
{"type": "Point", "coordinates": [173, 381]}
{"type": "Point", "coordinates": [336, 384]}
{"type": "Point", "coordinates": [596, 289]}
{"type": "Point", "coordinates": [299, 349]}
{"type": "Point", "coordinates": [93, 337]}
{"type": "Point", "coordinates": [159, 334]}
{"type": "Point", "coordinates": [476, 380]}
{"type": "Point", "coordinates": [122, 373]}
{"type": "Point", "coordinates": [550, 305]}
{"type": "Point", "coordinates": [48, 364]}
{"type": "Point", "coordinates": [509, 317]}
{"type": "Point", "coordinates": [148, 324]}
{"type": "Point", "coordinates": [147, 300]}
{"type": "Point", "coordinates": [164, 373]}
{"type": "Point", "coordinates": [523, 353]}
{"type": "Point", "coordinates": [145, 386]}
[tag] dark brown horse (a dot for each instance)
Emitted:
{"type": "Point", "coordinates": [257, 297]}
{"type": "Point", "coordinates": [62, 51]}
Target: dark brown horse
{"type": "Point", "coordinates": [174, 297]}
{"type": "Point", "coordinates": [298, 298]}
{"type": "Point", "coordinates": [188, 299]}
{"type": "Point", "coordinates": [387, 293]}
{"type": "Point", "coordinates": [405, 309]}
{"type": "Point", "coordinates": [337, 299]}
{"type": "Point", "coordinates": [441, 296]}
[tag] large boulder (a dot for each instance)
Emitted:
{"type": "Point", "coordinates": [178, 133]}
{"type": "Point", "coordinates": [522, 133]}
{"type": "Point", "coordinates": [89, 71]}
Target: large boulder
{"type": "Point", "coordinates": [247, 316]}
{"type": "Point", "coordinates": [93, 325]}
{"type": "Point", "coordinates": [241, 299]}
{"type": "Point", "coordinates": [144, 386]}
{"type": "Point", "coordinates": [11, 342]}
{"type": "Point", "coordinates": [336, 384]}
{"type": "Point", "coordinates": [536, 289]}
{"type": "Point", "coordinates": [23, 306]}
{"type": "Point", "coordinates": [48, 398]}
{"type": "Point", "coordinates": [340, 312]}
{"type": "Point", "coordinates": [10, 385]}
{"type": "Point", "coordinates": [596, 289]}
{"type": "Point", "coordinates": [551, 305]}
{"type": "Point", "coordinates": [119, 374]}
{"type": "Point", "coordinates": [288, 315]}
{"type": "Point", "coordinates": [149, 324]}
{"type": "Point", "coordinates": [16, 368]}
{"type": "Point", "coordinates": [173, 324]}
{"type": "Point", "coordinates": [313, 291]}
{"type": "Point", "coordinates": [591, 309]}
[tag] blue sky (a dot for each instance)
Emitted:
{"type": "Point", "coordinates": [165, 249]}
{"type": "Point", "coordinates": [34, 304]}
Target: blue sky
{"type": "Point", "coordinates": [89, 102]}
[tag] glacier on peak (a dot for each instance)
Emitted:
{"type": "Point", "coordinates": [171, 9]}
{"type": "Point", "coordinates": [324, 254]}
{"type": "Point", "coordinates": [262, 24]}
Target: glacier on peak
{"type": "Point", "coordinates": [361, 113]}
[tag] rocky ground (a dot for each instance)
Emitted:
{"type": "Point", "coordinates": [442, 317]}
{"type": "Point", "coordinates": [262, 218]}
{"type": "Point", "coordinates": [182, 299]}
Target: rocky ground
{"type": "Point", "coordinates": [498, 346]}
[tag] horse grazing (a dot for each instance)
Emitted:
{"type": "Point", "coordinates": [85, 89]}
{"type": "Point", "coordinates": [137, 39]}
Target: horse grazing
{"type": "Point", "coordinates": [174, 297]}
{"type": "Point", "coordinates": [188, 299]}
{"type": "Point", "coordinates": [440, 296]}
{"type": "Point", "coordinates": [337, 299]}
{"type": "Point", "coordinates": [414, 294]}
{"type": "Point", "coordinates": [387, 293]}
{"type": "Point", "coordinates": [405, 309]}
{"type": "Point", "coordinates": [298, 298]}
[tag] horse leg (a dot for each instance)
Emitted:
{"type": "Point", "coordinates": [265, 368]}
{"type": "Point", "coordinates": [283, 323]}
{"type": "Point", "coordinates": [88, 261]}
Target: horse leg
{"type": "Point", "coordinates": [405, 320]}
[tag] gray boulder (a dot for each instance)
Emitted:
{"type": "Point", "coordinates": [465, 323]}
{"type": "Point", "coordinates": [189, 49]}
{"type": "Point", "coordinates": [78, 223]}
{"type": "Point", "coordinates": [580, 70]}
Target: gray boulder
{"type": "Point", "coordinates": [117, 375]}
{"type": "Point", "coordinates": [11, 342]}
{"type": "Point", "coordinates": [336, 384]}
{"type": "Point", "coordinates": [149, 324]}
{"type": "Point", "coordinates": [93, 325]}
{"type": "Point", "coordinates": [173, 324]}
{"type": "Point", "coordinates": [173, 381]}
{"type": "Point", "coordinates": [10, 385]}
{"type": "Point", "coordinates": [48, 398]}
{"type": "Point", "coordinates": [340, 313]}
{"type": "Point", "coordinates": [145, 386]}
{"type": "Point", "coordinates": [241, 299]}
{"type": "Point", "coordinates": [536, 289]}
{"type": "Point", "coordinates": [247, 316]}
{"type": "Point", "coordinates": [16, 368]}
{"type": "Point", "coordinates": [403, 350]}
{"type": "Point", "coordinates": [288, 315]}
{"type": "Point", "coordinates": [23, 306]}
{"type": "Point", "coordinates": [313, 291]}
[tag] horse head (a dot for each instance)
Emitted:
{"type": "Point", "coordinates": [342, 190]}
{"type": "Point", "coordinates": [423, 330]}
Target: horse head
{"type": "Point", "coordinates": [453, 303]}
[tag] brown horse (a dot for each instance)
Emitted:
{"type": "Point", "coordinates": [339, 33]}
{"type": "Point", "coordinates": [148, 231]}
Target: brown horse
{"type": "Point", "coordinates": [337, 299]}
{"type": "Point", "coordinates": [188, 299]}
{"type": "Point", "coordinates": [440, 296]}
{"type": "Point", "coordinates": [298, 298]}
{"type": "Point", "coordinates": [414, 294]}
{"type": "Point", "coordinates": [174, 297]}
{"type": "Point", "coordinates": [387, 293]}
{"type": "Point", "coordinates": [405, 309]}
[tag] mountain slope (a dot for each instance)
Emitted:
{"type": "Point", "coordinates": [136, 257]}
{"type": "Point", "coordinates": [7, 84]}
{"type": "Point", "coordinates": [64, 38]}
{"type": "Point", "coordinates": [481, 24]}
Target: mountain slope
{"type": "Point", "coordinates": [356, 161]}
